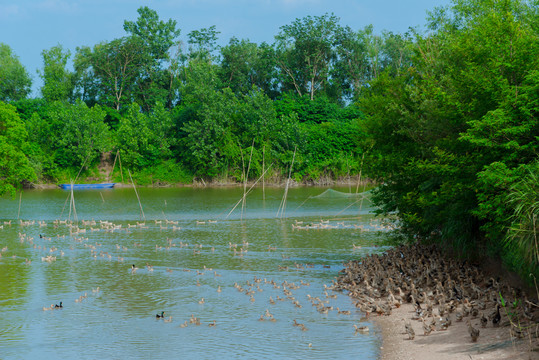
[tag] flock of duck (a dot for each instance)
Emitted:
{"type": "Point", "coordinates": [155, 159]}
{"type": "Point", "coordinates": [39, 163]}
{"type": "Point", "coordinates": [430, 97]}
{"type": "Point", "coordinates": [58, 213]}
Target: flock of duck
{"type": "Point", "coordinates": [321, 303]}
{"type": "Point", "coordinates": [441, 289]}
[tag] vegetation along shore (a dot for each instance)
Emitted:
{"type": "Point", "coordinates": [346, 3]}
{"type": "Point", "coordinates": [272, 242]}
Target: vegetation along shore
{"type": "Point", "coordinates": [445, 120]}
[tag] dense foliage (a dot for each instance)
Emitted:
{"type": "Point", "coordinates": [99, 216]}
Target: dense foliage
{"type": "Point", "coordinates": [458, 132]}
{"type": "Point", "coordinates": [446, 120]}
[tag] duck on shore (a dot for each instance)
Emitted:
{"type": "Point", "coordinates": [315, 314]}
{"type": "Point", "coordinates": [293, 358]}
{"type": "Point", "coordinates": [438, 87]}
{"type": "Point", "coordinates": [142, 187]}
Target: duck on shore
{"type": "Point", "coordinates": [426, 277]}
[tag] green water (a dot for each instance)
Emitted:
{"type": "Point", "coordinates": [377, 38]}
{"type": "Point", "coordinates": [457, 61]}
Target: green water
{"type": "Point", "coordinates": [191, 259]}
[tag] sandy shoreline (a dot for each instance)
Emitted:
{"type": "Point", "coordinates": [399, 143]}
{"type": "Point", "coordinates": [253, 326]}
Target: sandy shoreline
{"type": "Point", "coordinates": [451, 344]}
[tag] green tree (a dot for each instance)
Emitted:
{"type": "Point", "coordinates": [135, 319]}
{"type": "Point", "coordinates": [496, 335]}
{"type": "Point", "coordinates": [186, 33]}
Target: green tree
{"type": "Point", "coordinates": [57, 80]}
{"type": "Point", "coordinates": [352, 68]}
{"type": "Point", "coordinates": [203, 43]}
{"type": "Point", "coordinates": [158, 36]}
{"type": "Point", "coordinates": [454, 130]}
{"type": "Point", "coordinates": [245, 64]}
{"type": "Point", "coordinates": [156, 83]}
{"type": "Point", "coordinates": [305, 52]}
{"type": "Point", "coordinates": [116, 67]}
{"type": "Point", "coordinates": [15, 169]}
{"type": "Point", "coordinates": [79, 133]}
{"type": "Point", "coordinates": [211, 147]}
{"type": "Point", "coordinates": [15, 82]}
{"type": "Point", "coordinates": [145, 139]}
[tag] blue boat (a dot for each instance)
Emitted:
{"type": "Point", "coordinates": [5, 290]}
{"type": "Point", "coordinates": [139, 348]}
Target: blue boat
{"type": "Point", "coordinates": [86, 186]}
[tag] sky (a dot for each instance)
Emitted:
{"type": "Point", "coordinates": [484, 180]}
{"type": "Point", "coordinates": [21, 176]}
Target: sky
{"type": "Point", "coordinates": [30, 26]}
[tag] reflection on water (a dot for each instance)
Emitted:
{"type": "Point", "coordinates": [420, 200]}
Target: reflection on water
{"type": "Point", "coordinates": [246, 265]}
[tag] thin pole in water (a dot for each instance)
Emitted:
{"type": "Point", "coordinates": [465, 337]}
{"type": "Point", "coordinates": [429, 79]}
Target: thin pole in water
{"type": "Point", "coordinates": [282, 207]}
{"type": "Point", "coordinates": [120, 162]}
{"type": "Point", "coordinates": [248, 191]}
{"type": "Point", "coordinates": [244, 202]}
{"type": "Point", "coordinates": [136, 193]}
{"type": "Point", "coordinates": [263, 178]}
{"type": "Point", "coordinates": [20, 200]}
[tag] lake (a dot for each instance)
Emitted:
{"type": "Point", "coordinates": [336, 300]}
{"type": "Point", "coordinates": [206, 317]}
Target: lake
{"type": "Point", "coordinates": [254, 271]}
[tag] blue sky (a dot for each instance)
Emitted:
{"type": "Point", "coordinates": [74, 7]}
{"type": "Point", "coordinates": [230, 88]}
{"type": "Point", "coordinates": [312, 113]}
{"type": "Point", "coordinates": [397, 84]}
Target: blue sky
{"type": "Point", "coordinates": [30, 26]}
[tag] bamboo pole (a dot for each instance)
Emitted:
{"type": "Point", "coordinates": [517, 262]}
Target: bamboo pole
{"type": "Point", "coordinates": [65, 203]}
{"type": "Point", "coordinates": [348, 175]}
{"type": "Point", "coordinates": [20, 201]}
{"type": "Point", "coordinates": [359, 175]}
{"type": "Point", "coordinates": [113, 165]}
{"type": "Point", "coordinates": [263, 179]}
{"type": "Point", "coordinates": [340, 212]}
{"type": "Point", "coordinates": [80, 170]}
{"type": "Point", "coordinates": [248, 191]}
{"type": "Point", "coordinates": [243, 177]}
{"type": "Point", "coordinates": [282, 208]}
{"type": "Point", "coordinates": [136, 193]}
{"type": "Point", "coordinates": [120, 162]}
{"type": "Point", "coordinates": [244, 202]}
{"type": "Point", "coordinates": [73, 204]}
{"type": "Point", "coordinates": [70, 199]}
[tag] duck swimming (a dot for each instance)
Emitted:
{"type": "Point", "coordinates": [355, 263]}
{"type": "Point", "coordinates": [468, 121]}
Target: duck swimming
{"type": "Point", "coordinates": [162, 316]}
{"type": "Point", "coordinates": [58, 306]}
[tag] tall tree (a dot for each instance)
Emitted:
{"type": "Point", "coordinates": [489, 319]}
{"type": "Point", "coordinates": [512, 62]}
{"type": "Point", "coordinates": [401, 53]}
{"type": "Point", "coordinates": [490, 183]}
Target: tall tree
{"type": "Point", "coordinates": [117, 67]}
{"type": "Point", "coordinates": [305, 52]}
{"type": "Point", "coordinates": [203, 43]}
{"type": "Point", "coordinates": [158, 36]}
{"type": "Point", "coordinates": [156, 83]}
{"type": "Point", "coordinates": [352, 68]}
{"type": "Point", "coordinates": [245, 64]}
{"type": "Point", "coordinates": [57, 80]}
{"type": "Point", "coordinates": [15, 82]}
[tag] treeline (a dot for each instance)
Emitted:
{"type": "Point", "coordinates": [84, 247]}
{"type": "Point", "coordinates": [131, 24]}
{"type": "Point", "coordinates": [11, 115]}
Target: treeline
{"type": "Point", "coordinates": [445, 120]}
{"type": "Point", "coordinates": [184, 109]}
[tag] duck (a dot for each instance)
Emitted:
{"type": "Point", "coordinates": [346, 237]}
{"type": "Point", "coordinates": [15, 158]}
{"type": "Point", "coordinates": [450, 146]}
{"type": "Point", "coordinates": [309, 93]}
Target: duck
{"type": "Point", "coordinates": [133, 269]}
{"type": "Point", "coordinates": [445, 323]}
{"type": "Point", "coordinates": [474, 333]}
{"type": "Point", "coordinates": [427, 329]}
{"type": "Point", "coordinates": [496, 318]}
{"type": "Point", "coordinates": [458, 316]}
{"type": "Point", "coordinates": [201, 301]}
{"type": "Point", "coordinates": [183, 325]}
{"type": "Point", "coordinates": [409, 330]}
{"type": "Point", "coordinates": [162, 316]}
{"type": "Point", "coordinates": [361, 329]}
{"type": "Point", "coordinates": [168, 320]}
{"type": "Point", "coordinates": [212, 324]}
{"type": "Point", "coordinates": [343, 312]}
{"type": "Point", "coordinates": [58, 306]}
{"type": "Point", "coordinates": [484, 321]}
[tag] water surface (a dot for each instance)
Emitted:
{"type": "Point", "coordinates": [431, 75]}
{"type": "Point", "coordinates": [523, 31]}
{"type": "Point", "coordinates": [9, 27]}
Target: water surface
{"type": "Point", "coordinates": [195, 244]}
